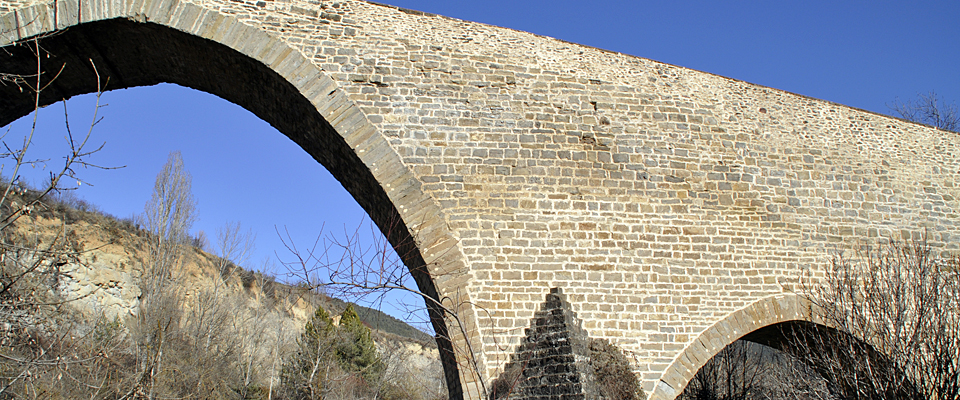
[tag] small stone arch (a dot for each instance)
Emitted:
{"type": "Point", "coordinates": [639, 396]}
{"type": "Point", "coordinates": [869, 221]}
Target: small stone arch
{"type": "Point", "coordinates": [146, 42]}
{"type": "Point", "coordinates": [765, 312]}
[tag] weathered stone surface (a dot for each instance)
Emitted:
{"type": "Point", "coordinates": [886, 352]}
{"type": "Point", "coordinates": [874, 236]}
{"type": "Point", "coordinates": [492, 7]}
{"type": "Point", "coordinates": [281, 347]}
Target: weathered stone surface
{"type": "Point", "coordinates": [104, 284]}
{"type": "Point", "coordinates": [663, 201]}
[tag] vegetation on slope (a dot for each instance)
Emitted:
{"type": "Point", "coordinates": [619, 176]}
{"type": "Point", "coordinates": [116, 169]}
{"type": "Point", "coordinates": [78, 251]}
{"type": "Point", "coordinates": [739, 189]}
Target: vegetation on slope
{"type": "Point", "coordinates": [209, 334]}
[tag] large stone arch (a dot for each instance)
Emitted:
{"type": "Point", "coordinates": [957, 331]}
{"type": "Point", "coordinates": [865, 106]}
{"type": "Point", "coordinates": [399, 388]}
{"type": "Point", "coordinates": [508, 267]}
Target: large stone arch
{"type": "Point", "coordinates": [658, 198]}
{"type": "Point", "coordinates": [139, 43]}
{"type": "Point", "coordinates": [765, 312]}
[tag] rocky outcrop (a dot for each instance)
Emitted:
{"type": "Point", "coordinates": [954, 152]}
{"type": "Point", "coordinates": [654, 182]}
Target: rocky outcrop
{"type": "Point", "coordinates": [99, 279]}
{"type": "Point", "coordinates": [105, 284]}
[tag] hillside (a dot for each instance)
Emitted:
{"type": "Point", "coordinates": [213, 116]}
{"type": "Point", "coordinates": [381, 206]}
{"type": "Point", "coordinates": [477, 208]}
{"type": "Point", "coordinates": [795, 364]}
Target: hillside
{"type": "Point", "coordinates": [73, 284]}
{"type": "Point", "coordinates": [381, 321]}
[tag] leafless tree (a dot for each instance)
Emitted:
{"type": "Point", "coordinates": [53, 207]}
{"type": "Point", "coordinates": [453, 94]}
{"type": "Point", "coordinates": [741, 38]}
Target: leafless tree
{"type": "Point", "coordinates": [276, 359]}
{"type": "Point", "coordinates": [353, 270]}
{"type": "Point", "coordinates": [407, 373]}
{"type": "Point", "coordinates": [733, 374]}
{"type": "Point", "coordinates": [894, 324]}
{"type": "Point", "coordinates": [789, 378]}
{"type": "Point", "coordinates": [233, 247]}
{"type": "Point", "coordinates": [43, 354]}
{"type": "Point", "coordinates": [260, 346]}
{"type": "Point", "coordinates": [167, 217]}
{"type": "Point", "coordinates": [929, 109]}
{"type": "Point", "coordinates": [210, 315]}
{"type": "Point", "coordinates": [750, 371]}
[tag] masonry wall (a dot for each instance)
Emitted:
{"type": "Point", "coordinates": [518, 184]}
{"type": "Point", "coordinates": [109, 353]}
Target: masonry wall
{"type": "Point", "coordinates": [659, 199]}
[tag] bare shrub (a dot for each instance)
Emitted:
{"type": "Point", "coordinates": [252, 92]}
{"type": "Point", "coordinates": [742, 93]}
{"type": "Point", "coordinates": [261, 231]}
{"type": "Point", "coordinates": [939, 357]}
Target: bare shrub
{"type": "Point", "coordinates": [929, 109]}
{"type": "Point", "coordinates": [507, 382]}
{"type": "Point", "coordinates": [366, 273]}
{"type": "Point", "coordinates": [44, 354]}
{"type": "Point", "coordinates": [613, 372]}
{"type": "Point", "coordinates": [745, 370]}
{"type": "Point", "coordinates": [894, 324]}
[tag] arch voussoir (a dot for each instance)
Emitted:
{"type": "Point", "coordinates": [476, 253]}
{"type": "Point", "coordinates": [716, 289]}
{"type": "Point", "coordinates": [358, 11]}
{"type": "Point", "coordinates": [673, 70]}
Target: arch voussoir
{"type": "Point", "coordinates": [764, 312]}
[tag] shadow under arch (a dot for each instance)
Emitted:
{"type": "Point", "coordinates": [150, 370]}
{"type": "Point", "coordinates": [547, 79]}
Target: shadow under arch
{"type": "Point", "coordinates": [755, 322]}
{"type": "Point", "coordinates": [245, 66]}
{"type": "Point", "coordinates": [777, 321]}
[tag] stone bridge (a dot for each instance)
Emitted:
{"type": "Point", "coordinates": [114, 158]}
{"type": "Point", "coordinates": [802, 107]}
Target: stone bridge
{"type": "Point", "coordinates": [669, 211]}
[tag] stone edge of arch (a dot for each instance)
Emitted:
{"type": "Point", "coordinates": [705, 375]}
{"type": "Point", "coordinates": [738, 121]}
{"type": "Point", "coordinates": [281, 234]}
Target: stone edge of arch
{"type": "Point", "coordinates": [766, 311]}
{"type": "Point", "coordinates": [420, 212]}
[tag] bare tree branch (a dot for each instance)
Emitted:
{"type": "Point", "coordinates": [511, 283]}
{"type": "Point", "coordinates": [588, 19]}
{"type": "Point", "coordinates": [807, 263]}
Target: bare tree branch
{"type": "Point", "coordinates": [929, 109]}
{"type": "Point", "coordinates": [894, 324]}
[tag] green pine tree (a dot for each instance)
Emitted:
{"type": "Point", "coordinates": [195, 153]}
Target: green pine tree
{"type": "Point", "coordinates": [355, 350]}
{"type": "Point", "coordinates": [304, 374]}
{"type": "Point", "coordinates": [319, 327]}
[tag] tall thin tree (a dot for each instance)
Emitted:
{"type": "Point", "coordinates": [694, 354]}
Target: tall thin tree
{"type": "Point", "coordinates": [167, 217]}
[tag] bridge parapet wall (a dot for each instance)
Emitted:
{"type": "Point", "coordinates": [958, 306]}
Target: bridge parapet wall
{"type": "Point", "coordinates": [659, 199]}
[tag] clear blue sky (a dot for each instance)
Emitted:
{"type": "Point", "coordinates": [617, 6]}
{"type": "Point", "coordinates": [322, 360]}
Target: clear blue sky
{"type": "Point", "coordinates": [863, 54]}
